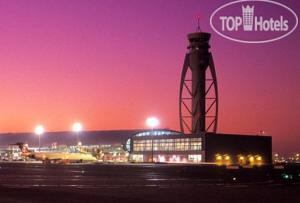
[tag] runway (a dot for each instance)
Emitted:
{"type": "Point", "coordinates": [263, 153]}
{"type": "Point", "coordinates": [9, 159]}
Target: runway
{"type": "Point", "coordinates": [31, 182]}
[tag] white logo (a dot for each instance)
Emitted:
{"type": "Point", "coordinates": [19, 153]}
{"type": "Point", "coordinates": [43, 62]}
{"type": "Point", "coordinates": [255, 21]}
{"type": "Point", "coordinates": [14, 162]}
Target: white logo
{"type": "Point", "coordinates": [233, 23]}
{"type": "Point", "coordinates": [248, 18]}
{"type": "Point", "coordinates": [246, 23]}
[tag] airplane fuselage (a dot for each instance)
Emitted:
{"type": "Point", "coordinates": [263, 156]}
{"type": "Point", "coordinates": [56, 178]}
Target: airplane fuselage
{"type": "Point", "coordinates": [61, 156]}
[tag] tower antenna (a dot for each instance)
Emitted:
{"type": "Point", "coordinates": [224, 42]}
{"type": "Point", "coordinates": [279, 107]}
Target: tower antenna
{"type": "Point", "coordinates": [198, 24]}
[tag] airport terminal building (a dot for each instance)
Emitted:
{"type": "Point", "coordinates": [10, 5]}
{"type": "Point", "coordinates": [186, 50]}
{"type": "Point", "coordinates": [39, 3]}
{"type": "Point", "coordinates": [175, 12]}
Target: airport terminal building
{"type": "Point", "coordinates": [175, 147]}
{"type": "Point", "coordinates": [159, 145]}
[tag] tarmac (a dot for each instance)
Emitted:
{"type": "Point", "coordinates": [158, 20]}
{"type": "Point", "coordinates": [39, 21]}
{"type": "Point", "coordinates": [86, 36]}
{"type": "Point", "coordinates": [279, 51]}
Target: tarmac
{"type": "Point", "coordinates": [35, 182]}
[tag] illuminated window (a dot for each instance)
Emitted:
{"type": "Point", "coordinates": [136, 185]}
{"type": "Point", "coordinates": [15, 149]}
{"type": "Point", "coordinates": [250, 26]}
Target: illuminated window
{"type": "Point", "coordinates": [195, 158]}
{"type": "Point", "coordinates": [182, 144]}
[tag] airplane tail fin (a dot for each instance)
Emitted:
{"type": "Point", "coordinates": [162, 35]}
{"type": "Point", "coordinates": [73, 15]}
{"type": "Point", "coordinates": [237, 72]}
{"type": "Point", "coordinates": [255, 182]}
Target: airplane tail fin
{"type": "Point", "coordinates": [23, 147]}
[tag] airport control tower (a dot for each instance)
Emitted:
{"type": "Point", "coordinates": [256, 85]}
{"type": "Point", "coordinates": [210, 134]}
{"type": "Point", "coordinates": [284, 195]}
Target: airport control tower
{"type": "Point", "coordinates": [198, 100]}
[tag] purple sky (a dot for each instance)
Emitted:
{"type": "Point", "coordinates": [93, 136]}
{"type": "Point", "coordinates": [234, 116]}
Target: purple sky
{"type": "Point", "coordinates": [111, 64]}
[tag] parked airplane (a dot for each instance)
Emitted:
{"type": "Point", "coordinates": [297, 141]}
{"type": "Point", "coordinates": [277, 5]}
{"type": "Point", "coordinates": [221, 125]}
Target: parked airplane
{"type": "Point", "coordinates": [78, 156]}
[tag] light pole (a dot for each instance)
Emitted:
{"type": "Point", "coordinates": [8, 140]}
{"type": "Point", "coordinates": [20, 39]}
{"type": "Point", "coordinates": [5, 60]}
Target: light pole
{"type": "Point", "coordinates": [152, 122]}
{"type": "Point", "coordinates": [77, 128]}
{"type": "Point", "coordinates": [39, 130]}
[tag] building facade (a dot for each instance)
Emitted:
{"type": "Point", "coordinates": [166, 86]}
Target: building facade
{"type": "Point", "coordinates": [224, 149]}
{"type": "Point", "coordinates": [165, 146]}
